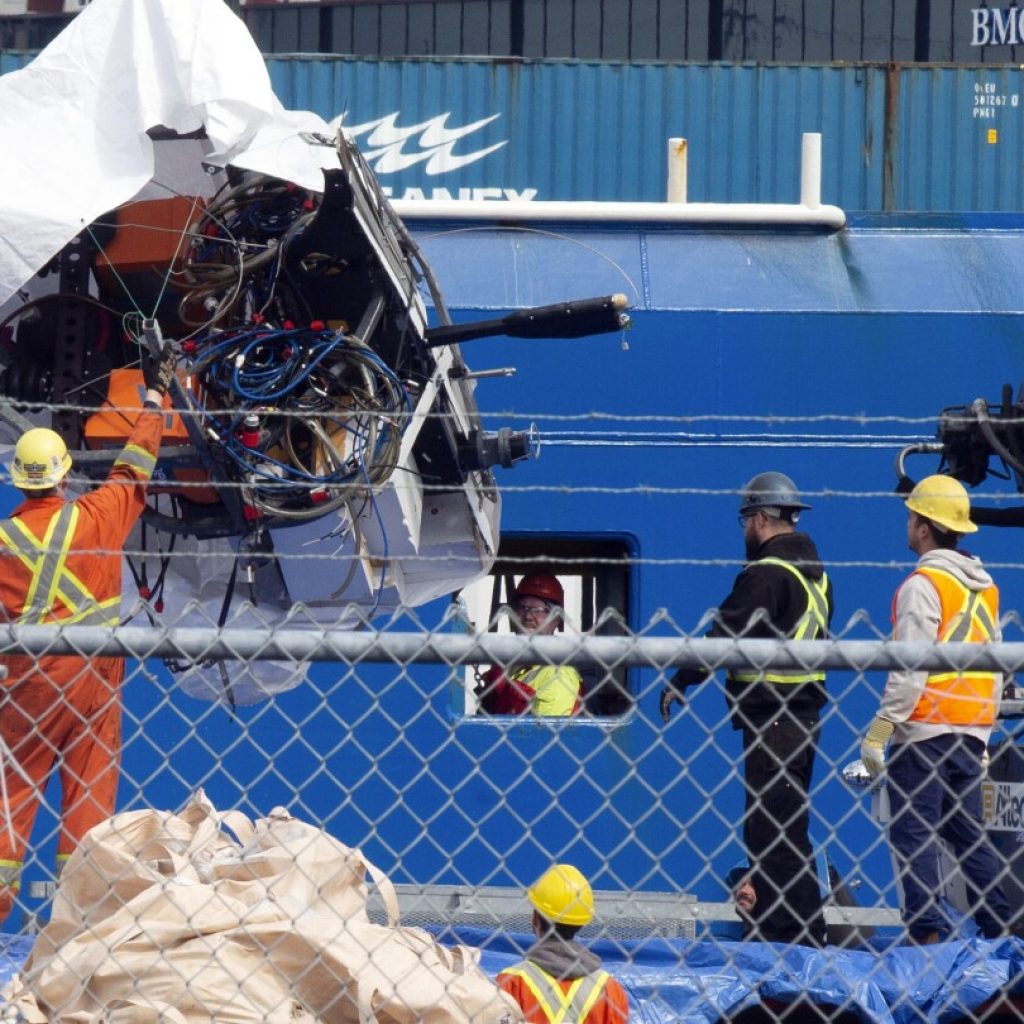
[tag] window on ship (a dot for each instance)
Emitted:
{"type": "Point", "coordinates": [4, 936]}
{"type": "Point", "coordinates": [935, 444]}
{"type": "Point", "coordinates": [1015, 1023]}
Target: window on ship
{"type": "Point", "coordinates": [596, 577]}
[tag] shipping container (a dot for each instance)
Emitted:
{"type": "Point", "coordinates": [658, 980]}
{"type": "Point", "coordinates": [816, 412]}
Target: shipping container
{"type": "Point", "coordinates": [790, 31]}
{"type": "Point", "coordinates": [918, 139]}
{"type": "Point", "coordinates": [913, 139]}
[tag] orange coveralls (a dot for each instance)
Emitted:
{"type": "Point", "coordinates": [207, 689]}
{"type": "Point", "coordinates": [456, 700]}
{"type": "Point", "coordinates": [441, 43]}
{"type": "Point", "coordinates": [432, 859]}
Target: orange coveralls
{"type": "Point", "coordinates": [60, 561]}
{"type": "Point", "coordinates": [593, 999]}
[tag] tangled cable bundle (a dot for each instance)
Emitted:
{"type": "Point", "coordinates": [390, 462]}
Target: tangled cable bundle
{"type": "Point", "coordinates": [234, 262]}
{"type": "Point", "coordinates": [311, 417]}
{"type": "Point", "coordinates": [307, 418]}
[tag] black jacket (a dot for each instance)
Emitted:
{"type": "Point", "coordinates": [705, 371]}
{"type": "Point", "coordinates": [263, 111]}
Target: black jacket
{"type": "Point", "coordinates": [767, 601]}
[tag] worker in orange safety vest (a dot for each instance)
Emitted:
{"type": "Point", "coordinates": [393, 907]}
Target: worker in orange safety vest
{"type": "Point", "coordinates": [540, 690]}
{"type": "Point", "coordinates": [60, 562]}
{"type": "Point", "coordinates": [561, 981]}
{"type": "Point", "coordinates": [940, 722]}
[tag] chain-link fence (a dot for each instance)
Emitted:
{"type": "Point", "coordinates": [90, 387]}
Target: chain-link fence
{"type": "Point", "coordinates": [383, 745]}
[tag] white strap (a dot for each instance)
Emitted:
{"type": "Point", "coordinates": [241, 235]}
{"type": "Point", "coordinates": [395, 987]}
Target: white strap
{"type": "Point", "coordinates": [386, 888]}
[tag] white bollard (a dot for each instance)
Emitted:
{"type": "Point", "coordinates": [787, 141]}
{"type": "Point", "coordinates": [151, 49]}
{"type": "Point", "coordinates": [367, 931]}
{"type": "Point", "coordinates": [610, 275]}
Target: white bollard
{"type": "Point", "coordinates": [676, 171]}
{"type": "Point", "coordinates": [810, 171]}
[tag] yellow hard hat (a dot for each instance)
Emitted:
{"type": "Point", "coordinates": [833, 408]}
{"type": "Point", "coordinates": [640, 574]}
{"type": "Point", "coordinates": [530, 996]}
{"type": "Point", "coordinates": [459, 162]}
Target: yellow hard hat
{"type": "Point", "coordinates": [944, 501]}
{"type": "Point", "coordinates": [41, 460]}
{"type": "Point", "coordinates": [563, 895]}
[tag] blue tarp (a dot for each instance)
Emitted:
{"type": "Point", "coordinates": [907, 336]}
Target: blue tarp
{"type": "Point", "coordinates": [13, 950]}
{"type": "Point", "coordinates": [672, 981]}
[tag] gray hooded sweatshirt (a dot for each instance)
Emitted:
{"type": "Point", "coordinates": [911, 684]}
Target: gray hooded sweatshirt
{"type": "Point", "coordinates": [918, 615]}
{"type": "Point", "coordinates": [562, 958]}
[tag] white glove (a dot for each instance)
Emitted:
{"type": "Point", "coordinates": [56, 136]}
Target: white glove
{"type": "Point", "coordinates": [984, 761]}
{"type": "Point", "coordinates": [872, 748]}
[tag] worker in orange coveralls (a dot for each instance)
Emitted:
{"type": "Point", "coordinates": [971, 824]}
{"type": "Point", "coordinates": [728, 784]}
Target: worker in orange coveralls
{"type": "Point", "coordinates": [60, 562]}
{"type": "Point", "coordinates": [561, 981]}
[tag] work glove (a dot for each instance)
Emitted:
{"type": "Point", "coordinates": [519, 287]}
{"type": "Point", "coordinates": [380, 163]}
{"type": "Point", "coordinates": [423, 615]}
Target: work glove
{"type": "Point", "coordinates": [673, 691]}
{"type": "Point", "coordinates": [158, 371]}
{"type": "Point", "coordinates": [984, 761]}
{"type": "Point", "coordinates": [669, 696]}
{"type": "Point", "coordinates": [872, 749]}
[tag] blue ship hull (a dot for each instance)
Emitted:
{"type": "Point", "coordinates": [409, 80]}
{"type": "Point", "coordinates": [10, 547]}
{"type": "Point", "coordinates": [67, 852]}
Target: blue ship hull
{"type": "Point", "coordinates": [818, 355]}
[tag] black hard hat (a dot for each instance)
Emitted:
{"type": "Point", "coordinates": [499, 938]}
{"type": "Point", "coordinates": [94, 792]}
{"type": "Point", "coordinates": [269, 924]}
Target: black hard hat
{"type": "Point", "coordinates": [770, 490]}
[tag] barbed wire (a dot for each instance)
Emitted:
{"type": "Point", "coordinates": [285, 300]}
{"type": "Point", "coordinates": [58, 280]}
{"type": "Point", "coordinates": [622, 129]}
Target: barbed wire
{"type": "Point", "coordinates": [162, 484]}
{"type": "Point", "coordinates": [859, 419]}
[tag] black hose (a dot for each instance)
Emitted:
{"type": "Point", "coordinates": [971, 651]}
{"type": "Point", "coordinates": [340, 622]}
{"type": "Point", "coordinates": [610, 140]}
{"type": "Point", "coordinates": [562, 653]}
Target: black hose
{"type": "Point", "coordinates": [980, 409]}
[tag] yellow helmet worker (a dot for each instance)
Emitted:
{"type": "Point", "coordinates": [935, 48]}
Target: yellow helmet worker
{"type": "Point", "coordinates": [560, 981]}
{"type": "Point", "coordinates": [41, 460]}
{"type": "Point", "coordinates": [562, 895]}
{"type": "Point", "coordinates": [944, 501]}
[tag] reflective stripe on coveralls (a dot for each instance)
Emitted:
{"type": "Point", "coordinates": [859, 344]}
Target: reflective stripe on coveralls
{"type": "Point", "coordinates": [10, 873]}
{"type": "Point", "coordinates": [137, 458]}
{"type": "Point", "coordinates": [561, 1007]}
{"type": "Point", "coordinates": [968, 616]}
{"type": "Point", "coordinates": [51, 579]}
{"type": "Point", "coordinates": [813, 624]}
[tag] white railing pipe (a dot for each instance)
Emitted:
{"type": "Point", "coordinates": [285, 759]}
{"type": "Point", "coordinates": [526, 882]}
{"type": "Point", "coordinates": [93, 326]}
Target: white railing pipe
{"type": "Point", "coordinates": [809, 212]}
{"type": "Point", "coordinates": [794, 214]}
{"type": "Point", "coordinates": [342, 645]}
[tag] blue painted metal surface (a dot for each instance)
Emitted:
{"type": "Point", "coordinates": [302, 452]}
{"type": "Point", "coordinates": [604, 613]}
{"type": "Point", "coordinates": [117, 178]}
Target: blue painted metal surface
{"type": "Point", "coordinates": [961, 146]}
{"type": "Point", "coordinates": [913, 138]}
{"type": "Point", "coordinates": [862, 335]}
{"type": "Point", "coordinates": [866, 323]}
{"type": "Point", "coordinates": [572, 130]}
{"type": "Point", "coordinates": [12, 60]}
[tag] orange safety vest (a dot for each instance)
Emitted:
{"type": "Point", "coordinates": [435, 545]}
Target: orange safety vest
{"type": "Point", "coordinates": [595, 998]}
{"type": "Point", "coordinates": [967, 616]}
{"type": "Point", "coordinates": [60, 561]}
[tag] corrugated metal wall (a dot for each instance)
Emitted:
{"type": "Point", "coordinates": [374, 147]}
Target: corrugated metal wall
{"type": "Point", "coordinates": [582, 29]}
{"type": "Point", "coordinates": [914, 138]}
{"type": "Point", "coordinates": [960, 145]}
{"type": "Point", "coordinates": [789, 31]}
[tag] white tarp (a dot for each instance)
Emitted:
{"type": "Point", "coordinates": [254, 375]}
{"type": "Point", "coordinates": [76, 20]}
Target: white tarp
{"type": "Point", "coordinates": [73, 129]}
{"type": "Point", "coordinates": [73, 122]}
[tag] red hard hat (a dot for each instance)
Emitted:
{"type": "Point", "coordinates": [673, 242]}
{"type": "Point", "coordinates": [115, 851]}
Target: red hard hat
{"type": "Point", "coordinates": [542, 585]}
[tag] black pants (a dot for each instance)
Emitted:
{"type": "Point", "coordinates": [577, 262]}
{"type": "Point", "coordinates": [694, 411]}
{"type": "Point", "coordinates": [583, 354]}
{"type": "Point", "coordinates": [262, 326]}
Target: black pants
{"type": "Point", "coordinates": [779, 762]}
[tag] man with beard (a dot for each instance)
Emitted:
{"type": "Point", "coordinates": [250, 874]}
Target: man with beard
{"type": "Point", "coordinates": [744, 898]}
{"type": "Point", "coordinates": [782, 592]}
